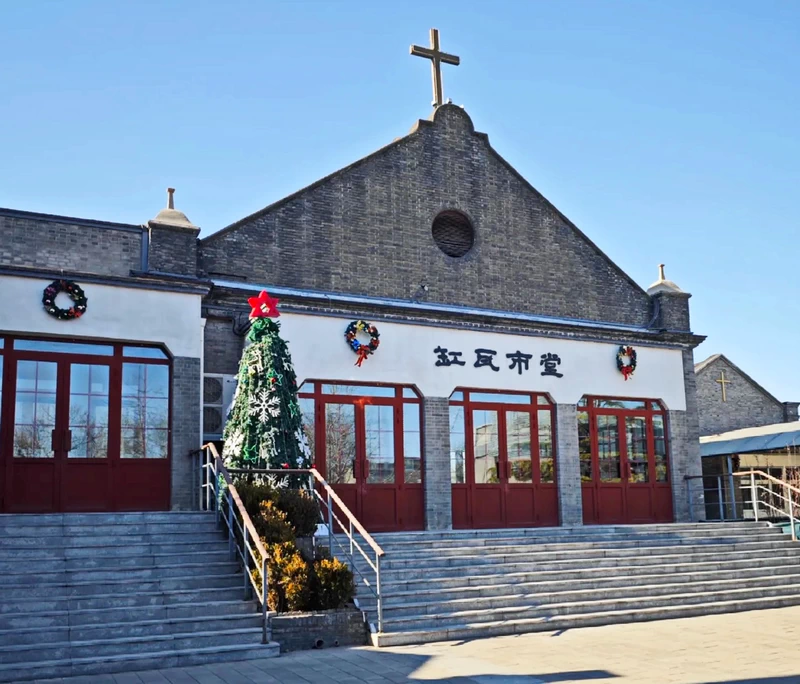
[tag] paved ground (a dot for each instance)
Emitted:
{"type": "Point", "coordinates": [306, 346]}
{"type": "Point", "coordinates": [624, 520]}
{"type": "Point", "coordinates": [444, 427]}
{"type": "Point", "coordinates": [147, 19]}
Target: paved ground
{"type": "Point", "coordinates": [761, 647]}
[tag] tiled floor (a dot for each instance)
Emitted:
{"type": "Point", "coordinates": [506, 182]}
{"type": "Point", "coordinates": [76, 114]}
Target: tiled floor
{"type": "Point", "coordinates": [761, 647]}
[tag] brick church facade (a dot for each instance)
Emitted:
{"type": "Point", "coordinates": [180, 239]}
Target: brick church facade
{"type": "Point", "coordinates": [495, 397]}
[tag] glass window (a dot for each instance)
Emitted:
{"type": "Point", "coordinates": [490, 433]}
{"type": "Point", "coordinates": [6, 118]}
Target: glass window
{"type": "Point", "coordinates": [379, 433]}
{"type": "Point", "coordinates": [491, 397]}
{"type": "Point", "coordinates": [88, 411]}
{"type": "Point", "coordinates": [340, 443]}
{"type": "Point", "coordinates": [144, 352]}
{"type": "Point", "coordinates": [543, 400]}
{"type": "Point", "coordinates": [458, 442]}
{"type": "Point", "coordinates": [64, 347]}
{"type": "Point", "coordinates": [1, 342]}
{"type": "Point", "coordinates": [410, 393]}
{"type": "Point", "coordinates": [457, 396]}
{"type": "Point", "coordinates": [307, 388]}
{"type": "Point", "coordinates": [485, 446]}
{"type": "Point", "coordinates": [307, 415]}
{"type": "Point", "coordinates": [608, 448]}
{"type": "Point", "coordinates": [145, 411]}
{"type": "Point", "coordinates": [660, 443]}
{"type": "Point", "coordinates": [585, 446]}
{"type": "Point", "coordinates": [636, 439]}
{"type": "Point", "coordinates": [35, 409]}
{"type": "Point", "coordinates": [359, 390]}
{"type": "Point", "coordinates": [546, 446]}
{"type": "Point", "coordinates": [518, 446]}
{"type": "Point", "coordinates": [630, 405]}
{"type": "Point", "coordinates": [412, 443]}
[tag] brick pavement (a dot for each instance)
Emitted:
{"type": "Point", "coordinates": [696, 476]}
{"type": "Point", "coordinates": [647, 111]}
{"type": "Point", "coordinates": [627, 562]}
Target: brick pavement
{"type": "Point", "coordinates": [759, 647]}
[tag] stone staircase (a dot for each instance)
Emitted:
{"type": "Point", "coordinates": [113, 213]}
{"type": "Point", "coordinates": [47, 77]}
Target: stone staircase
{"type": "Point", "coordinates": [84, 594]}
{"type": "Point", "coordinates": [469, 584]}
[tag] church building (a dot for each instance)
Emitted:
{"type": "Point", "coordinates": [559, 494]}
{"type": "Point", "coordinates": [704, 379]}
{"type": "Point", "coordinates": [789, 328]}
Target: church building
{"type": "Point", "coordinates": [468, 357]}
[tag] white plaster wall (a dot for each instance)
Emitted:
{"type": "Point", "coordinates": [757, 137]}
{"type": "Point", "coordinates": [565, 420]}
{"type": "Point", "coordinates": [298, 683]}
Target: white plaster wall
{"type": "Point", "coordinates": [113, 313]}
{"type": "Point", "coordinates": [406, 356]}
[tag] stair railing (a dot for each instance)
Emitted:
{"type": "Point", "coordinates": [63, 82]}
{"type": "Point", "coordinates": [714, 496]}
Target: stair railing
{"type": "Point", "coordinates": [213, 499]}
{"type": "Point", "coordinates": [781, 501]}
{"type": "Point", "coordinates": [218, 493]}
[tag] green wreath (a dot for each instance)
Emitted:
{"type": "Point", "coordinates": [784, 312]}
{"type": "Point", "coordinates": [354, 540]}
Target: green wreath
{"type": "Point", "coordinates": [362, 350]}
{"type": "Point", "coordinates": [626, 368]}
{"type": "Point", "coordinates": [75, 293]}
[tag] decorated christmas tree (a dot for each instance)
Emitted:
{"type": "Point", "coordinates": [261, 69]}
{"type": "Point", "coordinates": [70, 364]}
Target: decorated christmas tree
{"type": "Point", "coordinates": [264, 428]}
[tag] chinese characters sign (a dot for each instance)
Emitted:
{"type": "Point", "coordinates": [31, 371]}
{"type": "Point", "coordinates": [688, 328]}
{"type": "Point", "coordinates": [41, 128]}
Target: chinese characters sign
{"type": "Point", "coordinates": [487, 358]}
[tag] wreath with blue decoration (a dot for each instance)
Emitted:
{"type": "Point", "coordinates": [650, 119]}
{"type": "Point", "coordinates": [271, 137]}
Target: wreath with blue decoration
{"type": "Point", "coordinates": [359, 348]}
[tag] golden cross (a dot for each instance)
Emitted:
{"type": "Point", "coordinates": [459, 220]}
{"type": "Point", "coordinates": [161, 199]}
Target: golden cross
{"type": "Point", "coordinates": [437, 57]}
{"type": "Point", "coordinates": [722, 381]}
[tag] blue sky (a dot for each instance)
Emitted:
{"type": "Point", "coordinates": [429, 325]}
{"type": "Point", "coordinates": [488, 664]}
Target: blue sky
{"type": "Point", "coordinates": [666, 130]}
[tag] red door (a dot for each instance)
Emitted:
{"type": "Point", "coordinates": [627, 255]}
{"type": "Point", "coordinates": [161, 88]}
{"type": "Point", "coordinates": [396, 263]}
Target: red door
{"type": "Point", "coordinates": [507, 476]}
{"type": "Point", "coordinates": [623, 462]}
{"type": "Point", "coordinates": [65, 442]}
{"type": "Point", "coordinates": [369, 449]}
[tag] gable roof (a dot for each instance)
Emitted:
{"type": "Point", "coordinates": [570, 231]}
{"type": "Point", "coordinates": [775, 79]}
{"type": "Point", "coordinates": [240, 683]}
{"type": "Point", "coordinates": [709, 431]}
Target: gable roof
{"type": "Point", "coordinates": [703, 365]}
{"type": "Point", "coordinates": [420, 124]}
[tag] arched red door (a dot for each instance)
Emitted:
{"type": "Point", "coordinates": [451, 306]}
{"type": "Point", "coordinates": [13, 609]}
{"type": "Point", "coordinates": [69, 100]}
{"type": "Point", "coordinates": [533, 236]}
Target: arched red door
{"type": "Point", "coordinates": [624, 465]}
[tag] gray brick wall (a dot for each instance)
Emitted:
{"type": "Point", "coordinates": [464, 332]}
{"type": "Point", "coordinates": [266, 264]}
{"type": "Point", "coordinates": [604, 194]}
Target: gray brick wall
{"type": "Point", "coordinates": [684, 451]}
{"type": "Point", "coordinates": [436, 461]}
{"type": "Point", "coordinates": [568, 469]}
{"type": "Point", "coordinates": [173, 250]}
{"type": "Point", "coordinates": [38, 241]}
{"type": "Point", "coordinates": [222, 349]}
{"type": "Point", "coordinates": [673, 311]}
{"type": "Point", "coordinates": [746, 405]}
{"type": "Point", "coordinates": [300, 631]}
{"type": "Point", "coordinates": [185, 431]}
{"type": "Point", "coordinates": [340, 233]}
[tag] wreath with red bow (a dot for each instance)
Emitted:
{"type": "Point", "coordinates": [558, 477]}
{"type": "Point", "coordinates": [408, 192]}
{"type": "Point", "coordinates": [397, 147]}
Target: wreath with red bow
{"type": "Point", "coordinates": [362, 350]}
{"type": "Point", "coordinates": [75, 293]}
{"type": "Point", "coordinates": [626, 368]}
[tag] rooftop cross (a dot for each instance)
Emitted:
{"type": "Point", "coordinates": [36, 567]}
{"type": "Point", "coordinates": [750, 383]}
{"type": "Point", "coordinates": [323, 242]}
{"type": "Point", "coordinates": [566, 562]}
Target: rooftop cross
{"type": "Point", "coordinates": [722, 381]}
{"type": "Point", "coordinates": [437, 57]}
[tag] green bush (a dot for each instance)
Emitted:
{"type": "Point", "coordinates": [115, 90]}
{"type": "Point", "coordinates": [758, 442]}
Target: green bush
{"type": "Point", "coordinates": [333, 584]}
{"type": "Point", "coordinates": [272, 525]}
{"type": "Point", "coordinates": [289, 579]}
{"type": "Point", "coordinates": [301, 508]}
{"type": "Point", "coordinates": [252, 494]}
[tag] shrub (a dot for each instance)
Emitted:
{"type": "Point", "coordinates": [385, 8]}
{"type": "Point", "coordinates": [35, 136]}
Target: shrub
{"type": "Point", "coordinates": [253, 494]}
{"type": "Point", "coordinates": [301, 508]}
{"type": "Point", "coordinates": [334, 586]}
{"type": "Point", "coordinates": [272, 525]}
{"type": "Point", "coordinates": [289, 585]}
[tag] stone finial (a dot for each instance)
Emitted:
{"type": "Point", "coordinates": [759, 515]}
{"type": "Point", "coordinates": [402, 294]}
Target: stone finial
{"type": "Point", "coordinates": [663, 285]}
{"type": "Point", "coordinates": [170, 216]}
{"type": "Point", "coordinates": [660, 266]}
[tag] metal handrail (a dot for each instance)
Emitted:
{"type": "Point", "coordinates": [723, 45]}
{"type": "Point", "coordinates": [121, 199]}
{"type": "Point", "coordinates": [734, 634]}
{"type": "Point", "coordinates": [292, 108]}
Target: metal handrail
{"type": "Point", "coordinates": [349, 529]}
{"type": "Point", "coordinates": [788, 490]}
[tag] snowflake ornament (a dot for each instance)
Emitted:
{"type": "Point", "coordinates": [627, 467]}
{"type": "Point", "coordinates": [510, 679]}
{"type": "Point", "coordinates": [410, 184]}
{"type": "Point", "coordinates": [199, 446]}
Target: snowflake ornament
{"type": "Point", "coordinates": [233, 445]}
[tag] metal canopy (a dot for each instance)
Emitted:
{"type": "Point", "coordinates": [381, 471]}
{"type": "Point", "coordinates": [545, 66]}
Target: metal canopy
{"type": "Point", "coordinates": [747, 440]}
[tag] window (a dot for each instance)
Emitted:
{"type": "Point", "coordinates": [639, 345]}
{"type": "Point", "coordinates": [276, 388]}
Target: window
{"type": "Point", "coordinates": [458, 441]}
{"type": "Point", "coordinates": [145, 411]}
{"type": "Point", "coordinates": [88, 411]}
{"type": "Point", "coordinates": [453, 233]}
{"type": "Point", "coordinates": [35, 409]}
{"type": "Point", "coordinates": [412, 444]}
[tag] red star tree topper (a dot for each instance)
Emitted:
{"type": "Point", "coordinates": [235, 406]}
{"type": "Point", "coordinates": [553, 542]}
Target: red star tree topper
{"type": "Point", "coordinates": [263, 306]}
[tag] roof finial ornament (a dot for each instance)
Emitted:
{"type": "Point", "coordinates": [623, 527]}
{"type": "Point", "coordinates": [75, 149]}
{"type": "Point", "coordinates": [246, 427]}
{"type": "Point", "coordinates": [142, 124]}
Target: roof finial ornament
{"type": "Point", "coordinates": [663, 285]}
{"type": "Point", "coordinates": [661, 272]}
{"type": "Point", "coordinates": [170, 198]}
{"type": "Point", "coordinates": [437, 57]}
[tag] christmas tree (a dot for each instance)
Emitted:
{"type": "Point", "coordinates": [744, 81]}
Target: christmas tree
{"type": "Point", "coordinates": [264, 428]}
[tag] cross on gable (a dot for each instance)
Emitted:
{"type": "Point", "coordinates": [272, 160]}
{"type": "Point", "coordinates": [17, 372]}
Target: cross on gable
{"type": "Point", "coordinates": [722, 381]}
{"type": "Point", "coordinates": [437, 57]}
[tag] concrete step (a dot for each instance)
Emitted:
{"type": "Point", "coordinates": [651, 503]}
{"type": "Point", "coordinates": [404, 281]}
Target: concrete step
{"type": "Point", "coordinates": [51, 519]}
{"type": "Point", "coordinates": [16, 672]}
{"type": "Point", "coordinates": [465, 630]}
{"type": "Point", "coordinates": [108, 531]}
{"type": "Point", "coordinates": [552, 610]}
{"type": "Point", "coordinates": [525, 597]}
{"type": "Point", "coordinates": [11, 603]}
{"type": "Point", "coordinates": [110, 647]}
{"type": "Point", "coordinates": [99, 616]}
{"type": "Point", "coordinates": [75, 547]}
{"type": "Point", "coordinates": [110, 563]}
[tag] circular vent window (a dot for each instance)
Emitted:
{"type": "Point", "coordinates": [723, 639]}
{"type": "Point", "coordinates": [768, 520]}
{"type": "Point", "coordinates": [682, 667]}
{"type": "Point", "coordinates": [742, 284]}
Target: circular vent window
{"type": "Point", "coordinates": [453, 233]}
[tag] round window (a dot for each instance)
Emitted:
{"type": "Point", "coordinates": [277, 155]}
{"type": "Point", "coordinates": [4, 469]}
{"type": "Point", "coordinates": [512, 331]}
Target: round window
{"type": "Point", "coordinates": [453, 233]}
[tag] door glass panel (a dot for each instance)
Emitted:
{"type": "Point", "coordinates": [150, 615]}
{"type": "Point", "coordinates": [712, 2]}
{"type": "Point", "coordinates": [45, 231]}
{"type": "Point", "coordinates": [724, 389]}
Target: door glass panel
{"type": "Point", "coordinates": [485, 447]}
{"type": "Point", "coordinates": [518, 446]}
{"type": "Point", "coordinates": [608, 448]}
{"type": "Point", "coordinates": [307, 415]}
{"type": "Point", "coordinates": [546, 469]}
{"type": "Point", "coordinates": [340, 443]}
{"type": "Point", "coordinates": [359, 390]}
{"type": "Point", "coordinates": [458, 441]}
{"type": "Point", "coordinates": [585, 446]}
{"type": "Point", "coordinates": [412, 444]}
{"type": "Point", "coordinates": [636, 436]}
{"type": "Point", "coordinates": [88, 410]}
{"type": "Point", "coordinates": [35, 409]}
{"type": "Point", "coordinates": [631, 405]}
{"type": "Point", "coordinates": [660, 443]}
{"type": "Point", "coordinates": [495, 398]}
{"type": "Point", "coordinates": [64, 347]}
{"type": "Point", "coordinates": [145, 411]}
{"type": "Point", "coordinates": [379, 433]}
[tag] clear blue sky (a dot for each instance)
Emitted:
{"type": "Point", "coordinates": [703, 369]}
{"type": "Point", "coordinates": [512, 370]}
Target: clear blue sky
{"type": "Point", "coordinates": [668, 131]}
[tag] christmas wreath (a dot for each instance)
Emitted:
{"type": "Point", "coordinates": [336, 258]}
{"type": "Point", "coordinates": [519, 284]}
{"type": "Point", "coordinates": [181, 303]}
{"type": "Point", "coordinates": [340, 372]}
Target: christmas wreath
{"type": "Point", "coordinates": [73, 290]}
{"type": "Point", "coordinates": [626, 368]}
{"type": "Point", "coordinates": [362, 350]}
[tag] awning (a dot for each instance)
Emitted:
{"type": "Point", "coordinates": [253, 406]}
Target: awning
{"type": "Point", "coordinates": [746, 440]}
